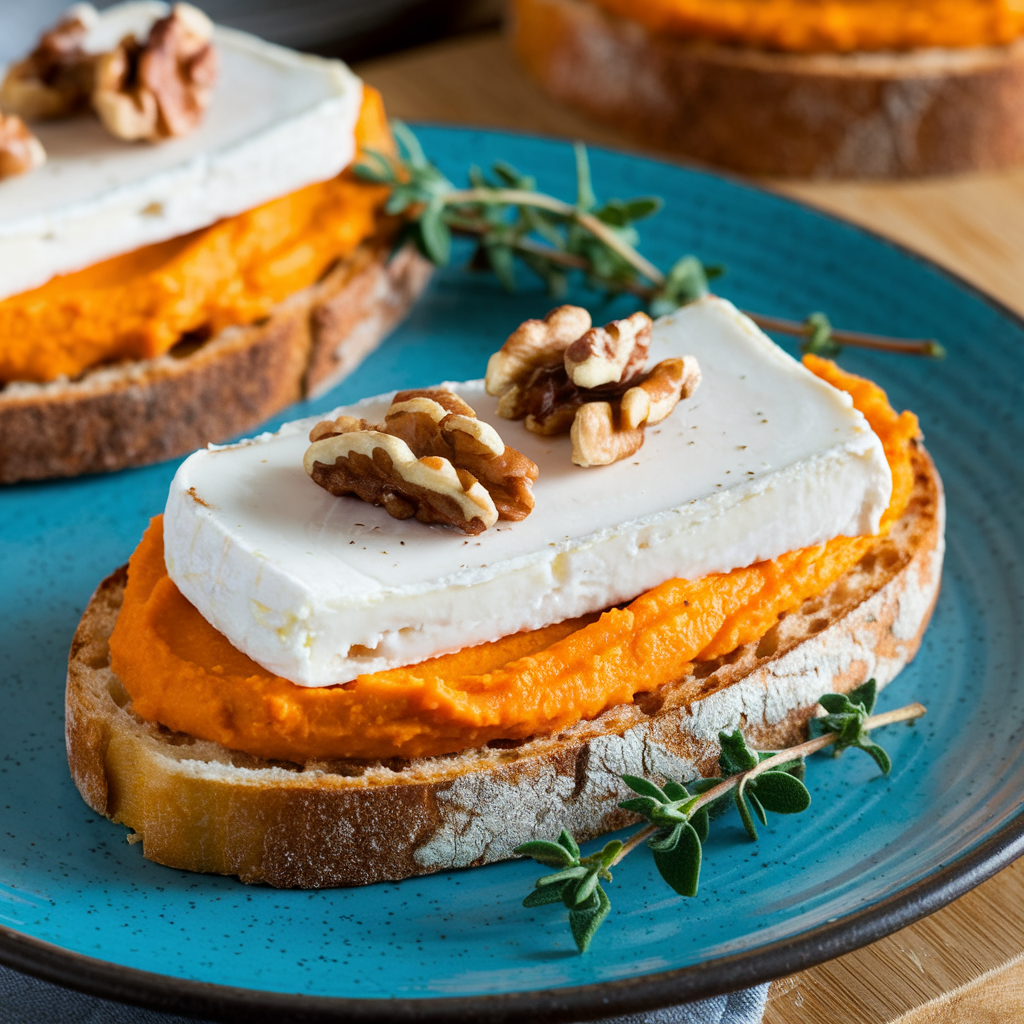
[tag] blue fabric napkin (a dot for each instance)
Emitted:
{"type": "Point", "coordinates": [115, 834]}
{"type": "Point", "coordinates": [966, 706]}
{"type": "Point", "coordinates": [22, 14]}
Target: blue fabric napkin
{"type": "Point", "coordinates": [25, 1000]}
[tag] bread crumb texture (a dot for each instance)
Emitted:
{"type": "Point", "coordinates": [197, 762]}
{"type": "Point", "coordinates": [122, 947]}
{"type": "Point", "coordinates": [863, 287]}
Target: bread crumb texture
{"type": "Point", "coordinates": [141, 304]}
{"type": "Point", "coordinates": [183, 674]}
{"type": "Point", "coordinates": [831, 26]}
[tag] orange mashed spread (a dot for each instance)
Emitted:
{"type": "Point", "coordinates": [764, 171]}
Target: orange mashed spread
{"type": "Point", "coordinates": [831, 25]}
{"type": "Point", "coordinates": [140, 304]}
{"type": "Point", "coordinates": [186, 675]}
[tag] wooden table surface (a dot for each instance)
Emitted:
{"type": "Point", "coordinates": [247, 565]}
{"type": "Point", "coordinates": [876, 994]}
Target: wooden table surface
{"type": "Point", "coordinates": [966, 962]}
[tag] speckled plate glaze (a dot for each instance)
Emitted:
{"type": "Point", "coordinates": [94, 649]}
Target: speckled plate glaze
{"type": "Point", "coordinates": [80, 906]}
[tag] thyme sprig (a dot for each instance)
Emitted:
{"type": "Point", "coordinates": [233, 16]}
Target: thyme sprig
{"type": "Point", "coordinates": [679, 818]}
{"type": "Point", "coordinates": [511, 220]}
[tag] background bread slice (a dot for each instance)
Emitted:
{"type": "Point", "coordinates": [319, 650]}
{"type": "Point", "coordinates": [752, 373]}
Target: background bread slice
{"type": "Point", "coordinates": [147, 410]}
{"type": "Point", "coordinates": [201, 807]}
{"type": "Point", "coordinates": [887, 114]}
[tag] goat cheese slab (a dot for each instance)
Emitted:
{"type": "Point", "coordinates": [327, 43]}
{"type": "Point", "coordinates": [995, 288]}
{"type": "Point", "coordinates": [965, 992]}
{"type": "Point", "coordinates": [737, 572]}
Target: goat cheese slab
{"type": "Point", "coordinates": [763, 459]}
{"type": "Point", "coordinates": [278, 121]}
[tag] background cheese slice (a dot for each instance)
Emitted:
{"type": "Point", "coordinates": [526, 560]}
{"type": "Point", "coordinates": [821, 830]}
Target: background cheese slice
{"type": "Point", "coordinates": [278, 121]}
{"type": "Point", "coordinates": [765, 458]}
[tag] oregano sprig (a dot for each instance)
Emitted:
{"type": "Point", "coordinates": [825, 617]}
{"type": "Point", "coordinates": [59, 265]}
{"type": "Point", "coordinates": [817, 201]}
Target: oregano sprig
{"type": "Point", "coordinates": [512, 221]}
{"type": "Point", "coordinates": [679, 818]}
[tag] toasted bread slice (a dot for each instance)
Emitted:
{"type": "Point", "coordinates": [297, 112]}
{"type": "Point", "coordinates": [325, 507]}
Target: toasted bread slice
{"type": "Point", "coordinates": [201, 807]}
{"type": "Point", "coordinates": [147, 410]}
{"type": "Point", "coordinates": [885, 114]}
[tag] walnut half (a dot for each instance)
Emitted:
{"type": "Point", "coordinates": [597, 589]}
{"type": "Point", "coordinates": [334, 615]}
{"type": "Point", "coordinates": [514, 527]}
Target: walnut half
{"type": "Point", "coordinates": [56, 78]}
{"type": "Point", "coordinates": [612, 354]}
{"type": "Point", "coordinates": [592, 386]}
{"type": "Point", "coordinates": [20, 150]}
{"type": "Point", "coordinates": [161, 87]}
{"type": "Point", "coordinates": [470, 480]}
{"type": "Point", "coordinates": [605, 432]}
{"type": "Point", "coordinates": [382, 470]}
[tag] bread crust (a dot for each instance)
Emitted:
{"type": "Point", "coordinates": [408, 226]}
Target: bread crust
{"type": "Point", "coordinates": [147, 410]}
{"type": "Point", "coordinates": [875, 115]}
{"type": "Point", "coordinates": [201, 807]}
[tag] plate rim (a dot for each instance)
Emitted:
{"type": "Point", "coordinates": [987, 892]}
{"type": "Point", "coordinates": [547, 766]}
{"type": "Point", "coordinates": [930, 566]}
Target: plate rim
{"type": "Point", "coordinates": [210, 1000]}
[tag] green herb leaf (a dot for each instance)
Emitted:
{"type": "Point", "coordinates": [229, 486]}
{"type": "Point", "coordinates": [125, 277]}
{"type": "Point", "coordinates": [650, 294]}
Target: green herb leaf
{"type": "Point", "coordinates": [566, 840]}
{"type": "Point", "coordinates": [665, 840]}
{"type": "Point", "coordinates": [866, 695]}
{"type": "Point", "coordinates": [584, 889]}
{"type": "Point", "coordinates": [680, 865]}
{"type": "Point", "coordinates": [585, 198]}
{"type": "Point", "coordinates": [880, 756]}
{"type": "Point", "coordinates": [645, 806]}
{"type": "Point", "coordinates": [846, 718]}
{"type": "Point", "coordinates": [502, 262]}
{"type": "Point", "coordinates": [643, 206]}
{"type": "Point", "coordinates": [435, 235]}
{"type": "Point", "coordinates": [736, 756]}
{"type": "Point", "coordinates": [675, 790]}
{"type": "Point", "coordinates": [818, 338]}
{"type": "Point", "coordinates": [745, 816]}
{"type": "Point", "coordinates": [701, 822]}
{"type": "Point", "coordinates": [645, 788]}
{"type": "Point", "coordinates": [550, 854]}
{"type": "Point", "coordinates": [375, 167]}
{"type": "Point", "coordinates": [756, 804]}
{"type": "Point", "coordinates": [409, 146]}
{"type": "Point", "coordinates": [779, 792]}
{"type": "Point", "coordinates": [545, 895]}
{"type": "Point", "coordinates": [584, 921]}
{"type": "Point", "coordinates": [562, 876]}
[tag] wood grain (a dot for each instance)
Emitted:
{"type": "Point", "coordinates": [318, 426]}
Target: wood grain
{"type": "Point", "coordinates": [966, 962]}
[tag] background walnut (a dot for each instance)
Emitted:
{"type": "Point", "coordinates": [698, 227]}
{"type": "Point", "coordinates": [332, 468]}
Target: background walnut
{"type": "Point", "coordinates": [20, 150]}
{"type": "Point", "coordinates": [162, 87]}
{"type": "Point", "coordinates": [56, 78]}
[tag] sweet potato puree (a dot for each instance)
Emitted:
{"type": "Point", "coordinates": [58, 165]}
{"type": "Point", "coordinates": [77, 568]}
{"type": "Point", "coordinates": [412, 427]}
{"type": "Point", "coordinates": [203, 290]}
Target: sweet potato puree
{"type": "Point", "coordinates": [831, 25]}
{"type": "Point", "coordinates": [139, 305]}
{"type": "Point", "coordinates": [184, 674]}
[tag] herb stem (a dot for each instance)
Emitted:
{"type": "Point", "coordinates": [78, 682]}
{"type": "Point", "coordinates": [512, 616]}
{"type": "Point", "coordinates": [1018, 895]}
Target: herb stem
{"type": "Point", "coordinates": [905, 714]}
{"type": "Point", "coordinates": [540, 201]}
{"type": "Point", "coordinates": [912, 346]}
{"type": "Point", "coordinates": [633, 842]}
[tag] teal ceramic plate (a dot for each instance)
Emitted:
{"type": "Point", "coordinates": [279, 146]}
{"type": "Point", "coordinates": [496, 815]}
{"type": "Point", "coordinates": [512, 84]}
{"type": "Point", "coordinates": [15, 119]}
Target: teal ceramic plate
{"type": "Point", "coordinates": [81, 906]}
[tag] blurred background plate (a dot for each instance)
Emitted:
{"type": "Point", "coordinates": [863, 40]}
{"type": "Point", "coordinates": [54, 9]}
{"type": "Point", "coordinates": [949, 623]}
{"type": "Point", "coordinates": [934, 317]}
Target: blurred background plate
{"type": "Point", "coordinates": [81, 906]}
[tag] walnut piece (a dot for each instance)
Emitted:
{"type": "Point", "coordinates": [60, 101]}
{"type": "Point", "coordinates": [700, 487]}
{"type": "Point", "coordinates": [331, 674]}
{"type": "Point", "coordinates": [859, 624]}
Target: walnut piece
{"type": "Point", "coordinates": [56, 78]}
{"type": "Point", "coordinates": [438, 429]}
{"type": "Point", "coordinates": [20, 150]}
{"type": "Point", "coordinates": [341, 425]}
{"type": "Point", "coordinates": [534, 344]}
{"type": "Point", "coordinates": [604, 432]}
{"type": "Point", "coordinates": [381, 469]}
{"type": "Point", "coordinates": [612, 354]}
{"type": "Point", "coordinates": [161, 87]}
{"type": "Point", "coordinates": [547, 400]}
{"type": "Point", "coordinates": [598, 439]}
{"type": "Point", "coordinates": [651, 400]}
{"type": "Point", "coordinates": [593, 386]}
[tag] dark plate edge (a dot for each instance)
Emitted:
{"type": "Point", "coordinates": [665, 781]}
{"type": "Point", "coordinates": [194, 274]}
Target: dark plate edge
{"type": "Point", "coordinates": [229, 1004]}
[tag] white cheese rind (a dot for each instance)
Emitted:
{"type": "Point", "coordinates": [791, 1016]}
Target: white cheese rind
{"type": "Point", "coordinates": [764, 459]}
{"type": "Point", "coordinates": [278, 121]}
